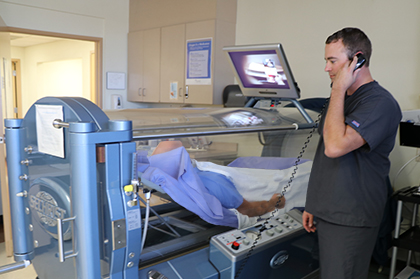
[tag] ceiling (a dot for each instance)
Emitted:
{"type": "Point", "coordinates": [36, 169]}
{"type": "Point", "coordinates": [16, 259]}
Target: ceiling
{"type": "Point", "coordinates": [25, 40]}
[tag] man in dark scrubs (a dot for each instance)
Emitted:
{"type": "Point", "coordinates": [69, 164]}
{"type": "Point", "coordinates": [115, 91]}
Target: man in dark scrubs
{"type": "Point", "coordinates": [347, 188]}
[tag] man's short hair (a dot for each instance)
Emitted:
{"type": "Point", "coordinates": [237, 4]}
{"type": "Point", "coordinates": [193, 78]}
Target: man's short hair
{"type": "Point", "coordinates": [354, 40]}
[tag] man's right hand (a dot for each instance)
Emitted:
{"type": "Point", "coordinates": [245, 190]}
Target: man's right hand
{"type": "Point", "coordinates": [308, 222]}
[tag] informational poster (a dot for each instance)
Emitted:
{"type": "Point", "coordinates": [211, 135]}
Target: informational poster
{"type": "Point", "coordinates": [50, 139]}
{"type": "Point", "coordinates": [199, 62]}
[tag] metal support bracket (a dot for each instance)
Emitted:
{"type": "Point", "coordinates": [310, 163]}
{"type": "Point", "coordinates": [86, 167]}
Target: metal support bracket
{"type": "Point", "coordinates": [118, 234]}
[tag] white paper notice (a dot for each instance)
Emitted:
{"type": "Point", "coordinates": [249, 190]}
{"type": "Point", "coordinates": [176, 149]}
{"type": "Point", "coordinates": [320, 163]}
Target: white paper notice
{"type": "Point", "coordinates": [199, 62]}
{"type": "Point", "coordinates": [50, 140]}
{"type": "Point", "coordinates": [115, 80]}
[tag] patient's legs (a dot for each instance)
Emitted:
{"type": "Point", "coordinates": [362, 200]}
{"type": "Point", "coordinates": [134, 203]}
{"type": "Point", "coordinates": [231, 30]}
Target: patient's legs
{"type": "Point", "coordinates": [258, 208]}
{"type": "Point", "coordinates": [250, 208]}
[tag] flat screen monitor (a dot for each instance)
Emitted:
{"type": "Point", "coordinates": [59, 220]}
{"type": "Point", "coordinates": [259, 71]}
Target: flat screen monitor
{"type": "Point", "coordinates": [262, 71]}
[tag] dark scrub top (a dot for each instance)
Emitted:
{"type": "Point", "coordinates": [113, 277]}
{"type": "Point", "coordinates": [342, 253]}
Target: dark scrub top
{"type": "Point", "coordinates": [351, 190]}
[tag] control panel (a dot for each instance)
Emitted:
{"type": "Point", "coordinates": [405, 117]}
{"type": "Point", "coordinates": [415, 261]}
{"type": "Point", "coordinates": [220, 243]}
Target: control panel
{"type": "Point", "coordinates": [238, 242]}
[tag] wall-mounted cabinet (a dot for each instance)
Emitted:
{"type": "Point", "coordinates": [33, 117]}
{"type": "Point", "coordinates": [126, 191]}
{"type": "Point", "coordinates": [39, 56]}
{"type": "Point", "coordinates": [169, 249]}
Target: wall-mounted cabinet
{"type": "Point", "coordinates": [178, 24]}
{"type": "Point", "coordinates": [144, 65]}
{"type": "Point", "coordinates": [172, 85]}
{"type": "Point", "coordinates": [174, 64]}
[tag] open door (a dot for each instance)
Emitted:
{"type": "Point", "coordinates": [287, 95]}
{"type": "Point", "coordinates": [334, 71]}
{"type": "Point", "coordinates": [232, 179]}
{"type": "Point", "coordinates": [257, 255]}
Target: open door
{"type": "Point", "coordinates": [16, 87]}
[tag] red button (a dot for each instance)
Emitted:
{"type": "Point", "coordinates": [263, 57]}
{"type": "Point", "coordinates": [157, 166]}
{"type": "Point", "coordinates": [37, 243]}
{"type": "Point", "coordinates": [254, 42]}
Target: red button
{"type": "Point", "coordinates": [235, 245]}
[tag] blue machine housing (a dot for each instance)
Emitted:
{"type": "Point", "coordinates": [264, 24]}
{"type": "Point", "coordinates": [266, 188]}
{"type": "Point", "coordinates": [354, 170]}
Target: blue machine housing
{"type": "Point", "coordinates": [60, 188]}
{"type": "Point", "coordinates": [83, 194]}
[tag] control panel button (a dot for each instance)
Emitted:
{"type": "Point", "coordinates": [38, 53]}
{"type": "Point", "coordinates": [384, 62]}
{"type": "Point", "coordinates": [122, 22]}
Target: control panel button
{"type": "Point", "coordinates": [278, 229]}
{"type": "Point", "coordinates": [269, 232]}
{"type": "Point", "coordinates": [246, 241]}
{"type": "Point", "coordinates": [235, 245]}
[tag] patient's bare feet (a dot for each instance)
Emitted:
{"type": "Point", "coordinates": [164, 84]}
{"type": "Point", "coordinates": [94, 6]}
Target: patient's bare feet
{"type": "Point", "coordinates": [258, 208]}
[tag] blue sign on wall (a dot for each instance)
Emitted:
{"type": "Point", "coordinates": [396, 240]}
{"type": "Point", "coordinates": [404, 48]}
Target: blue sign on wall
{"type": "Point", "coordinates": [199, 62]}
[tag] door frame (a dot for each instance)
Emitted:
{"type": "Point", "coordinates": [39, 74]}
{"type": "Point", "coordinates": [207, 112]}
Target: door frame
{"type": "Point", "coordinates": [96, 98]}
{"type": "Point", "coordinates": [97, 55]}
{"type": "Point", "coordinates": [17, 89]}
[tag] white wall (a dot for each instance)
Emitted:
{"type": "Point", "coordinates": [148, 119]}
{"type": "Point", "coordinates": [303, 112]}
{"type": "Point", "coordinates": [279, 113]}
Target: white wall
{"type": "Point", "coordinates": [302, 27]}
{"type": "Point", "coordinates": [5, 75]}
{"type": "Point", "coordinates": [38, 64]}
{"type": "Point", "coordinates": [107, 19]}
{"type": "Point", "coordinates": [5, 86]}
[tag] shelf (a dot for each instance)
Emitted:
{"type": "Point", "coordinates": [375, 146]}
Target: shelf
{"type": "Point", "coordinates": [409, 240]}
{"type": "Point", "coordinates": [409, 194]}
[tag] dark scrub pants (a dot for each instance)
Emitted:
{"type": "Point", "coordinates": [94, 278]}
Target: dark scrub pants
{"type": "Point", "coordinates": [349, 259]}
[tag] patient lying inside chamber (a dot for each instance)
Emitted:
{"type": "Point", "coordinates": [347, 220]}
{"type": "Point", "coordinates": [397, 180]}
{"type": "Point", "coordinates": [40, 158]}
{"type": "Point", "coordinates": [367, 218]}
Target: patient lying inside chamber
{"type": "Point", "coordinates": [229, 196]}
{"type": "Point", "coordinates": [224, 190]}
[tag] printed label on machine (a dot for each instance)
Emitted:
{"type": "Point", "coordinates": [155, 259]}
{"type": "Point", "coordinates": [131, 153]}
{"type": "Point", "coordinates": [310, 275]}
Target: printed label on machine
{"type": "Point", "coordinates": [133, 219]}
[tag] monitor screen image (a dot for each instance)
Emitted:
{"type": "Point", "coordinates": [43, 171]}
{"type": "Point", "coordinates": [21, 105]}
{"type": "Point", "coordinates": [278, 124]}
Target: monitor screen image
{"type": "Point", "coordinates": [262, 71]}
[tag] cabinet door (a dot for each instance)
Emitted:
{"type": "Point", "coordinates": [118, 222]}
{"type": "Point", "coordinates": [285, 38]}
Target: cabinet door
{"type": "Point", "coordinates": [151, 65]}
{"type": "Point", "coordinates": [135, 66]}
{"type": "Point", "coordinates": [172, 64]}
{"type": "Point", "coordinates": [201, 94]}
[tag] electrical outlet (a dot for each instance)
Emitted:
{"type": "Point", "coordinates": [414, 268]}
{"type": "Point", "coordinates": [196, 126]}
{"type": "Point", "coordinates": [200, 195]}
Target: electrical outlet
{"type": "Point", "coordinates": [116, 101]}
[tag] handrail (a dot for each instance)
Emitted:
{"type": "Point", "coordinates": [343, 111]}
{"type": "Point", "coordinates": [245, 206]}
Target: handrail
{"type": "Point", "coordinates": [253, 129]}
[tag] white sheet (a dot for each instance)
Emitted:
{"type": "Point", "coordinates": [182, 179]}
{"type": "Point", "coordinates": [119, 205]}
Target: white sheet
{"type": "Point", "coordinates": [260, 184]}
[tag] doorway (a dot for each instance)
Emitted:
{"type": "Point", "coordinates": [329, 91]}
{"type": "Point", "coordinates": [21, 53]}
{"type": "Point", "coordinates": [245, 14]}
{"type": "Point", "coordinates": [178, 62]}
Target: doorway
{"type": "Point", "coordinates": [40, 64]}
{"type": "Point", "coordinates": [51, 66]}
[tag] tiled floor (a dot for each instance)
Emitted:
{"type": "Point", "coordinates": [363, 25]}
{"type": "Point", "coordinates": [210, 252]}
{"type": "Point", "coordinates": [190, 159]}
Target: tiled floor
{"type": "Point", "coordinates": [384, 274]}
{"type": "Point", "coordinates": [376, 272]}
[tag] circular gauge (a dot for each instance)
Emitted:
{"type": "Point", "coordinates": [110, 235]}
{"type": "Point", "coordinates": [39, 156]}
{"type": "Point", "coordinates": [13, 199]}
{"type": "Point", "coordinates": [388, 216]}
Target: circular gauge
{"type": "Point", "coordinates": [253, 235]}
